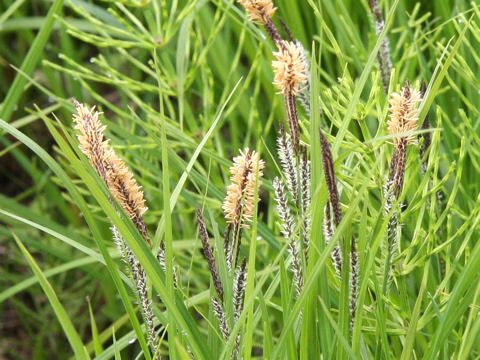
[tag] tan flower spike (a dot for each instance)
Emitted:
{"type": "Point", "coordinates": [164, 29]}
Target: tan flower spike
{"type": "Point", "coordinates": [290, 68]}
{"type": "Point", "coordinates": [109, 166]}
{"type": "Point", "coordinates": [91, 139]}
{"type": "Point", "coordinates": [239, 202]}
{"type": "Point", "coordinates": [260, 11]}
{"type": "Point", "coordinates": [404, 114]}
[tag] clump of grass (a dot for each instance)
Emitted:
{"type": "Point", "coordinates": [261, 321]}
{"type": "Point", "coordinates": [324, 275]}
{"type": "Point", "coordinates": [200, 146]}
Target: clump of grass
{"type": "Point", "coordinates": [151, 65]}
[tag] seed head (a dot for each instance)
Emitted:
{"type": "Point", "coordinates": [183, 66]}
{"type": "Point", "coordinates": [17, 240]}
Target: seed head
{"type": "Point", "coordinates": [124, 187]}
{"type": "Point", "coordinates": [290, 68]}
{"type": "Point", "coordinates": [91, 140]}
{"type": "Point", "coordinates": [403, 113]}
{"type": "Point", "coordinates": [259, 11]}
{"type": "Point", "coordinates": [239, 201]}
{"type": "Point", "coordinates": [108, 165]}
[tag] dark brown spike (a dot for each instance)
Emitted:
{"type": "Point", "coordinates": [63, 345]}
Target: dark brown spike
{"type": "Point", "coordinates": [423, 88]}
{"type": "Point", "coordinates": [293, 120]}
{"type": "Point", "coordinates": [375, 9]}
{"type": "Point", "coordinates": [329, 170]}
{"type": "Point", "coordinates": [393, 166]}
{"type": "Point", "coordinates": [401, 159]}
{"type": "Point", "coordinates": [286, 28]}
{"type": "Point", "coordinates": [354, 279]}
{"type": "Point", "coordinates": [239, 290]}
{"type": "Point", "coordinates": [208, 252]}
{"type": "Point", "coordinates": [226, 238]}
{"type": "Point", "coordinates": [272, 31]}
{"type": "Point", "coordinates": [406, 90]}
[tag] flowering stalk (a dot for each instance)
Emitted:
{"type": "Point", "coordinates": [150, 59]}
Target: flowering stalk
{"type": "Point", "coordinates": [239, 203]}
{"type": "Point", "coordinates": [337, 258]}
{"type": "Point", "coordinates": [162, 260]}
{"type": "Point", "coordinates": [403, 119]}
{"type": "Point", "coordinates": [305, 173]}
{"type": "Point", "coordinates": [288, 225]}
{"type": "Point", "coordinates": [261, 12]}
{"type": "Point", "coordinates": [222, 318]}
{"type": "Point", "coordinates": [290, 71]}
{"type": "Point", "coordinates": [329, 170]}
{"type": "Point", "coordinates": [239, 284]}
{"type": "Point", "coordinates": [288, 162]}
{"type": "Point", "coordinates": [354, 279]}
{"type": "Point", "coordinates": [119, 180]}
{"type": "Point", "coordinates": [208, 253]}
{"type": "Point", "coordinates": [383, 56]}
{"type": "Point", "coordinates": [334, 202]}
{"type": "Point", "coordinates": [238, 300]}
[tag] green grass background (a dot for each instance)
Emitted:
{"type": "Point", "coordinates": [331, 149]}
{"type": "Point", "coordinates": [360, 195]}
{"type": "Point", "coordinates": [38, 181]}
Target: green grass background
{"type": "Point", "coordinates": [183, 85]}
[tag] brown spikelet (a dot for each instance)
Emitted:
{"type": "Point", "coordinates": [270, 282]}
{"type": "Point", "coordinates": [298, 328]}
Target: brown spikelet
{"type": "Point", "coordinates": [330, 179]}
{"type": "Point", "coordinates": [328, 230]}
{"type": "Point", "coordinates": [286, 29]}
{"type": "Point", "coordinates": [109, 166]}
{"type": "Point", "coordinates": [375, 9]}
{"type": "Point", "coordinates": [403, 113]}
{"type": "Point", "coordinates": [259, 11]}
{"type": "Point", "coordinates": [124, 188]}
{"type": "Point", "coordinates": [208, 252]}
{"type": "Point", "coordinates": [400, 163]}
{"type": "Point", "coordinates": [354, 281]}
{"type": "Point", "coordinates": [292, 116]}
{"type": "Point", "coordinates": [290, 68]}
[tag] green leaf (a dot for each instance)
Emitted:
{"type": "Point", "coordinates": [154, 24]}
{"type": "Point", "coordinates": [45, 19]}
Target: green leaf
{"type": "Point", "coordinates": [62, 316]}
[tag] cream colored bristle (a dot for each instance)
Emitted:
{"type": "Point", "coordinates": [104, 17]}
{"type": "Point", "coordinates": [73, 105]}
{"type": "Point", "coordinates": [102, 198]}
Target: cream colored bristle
{"type": "Point", "coordinates": [239, 201]}
{"type": "Point", "coordinates": [259, 11]}
{"type": "Point", "coordinates": [290, 68]}
{"type": "Point", "coordinates": [403, 113]}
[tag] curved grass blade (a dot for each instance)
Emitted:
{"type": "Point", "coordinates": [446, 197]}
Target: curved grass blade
{"type": "Point", "coordinates": [62, 316]}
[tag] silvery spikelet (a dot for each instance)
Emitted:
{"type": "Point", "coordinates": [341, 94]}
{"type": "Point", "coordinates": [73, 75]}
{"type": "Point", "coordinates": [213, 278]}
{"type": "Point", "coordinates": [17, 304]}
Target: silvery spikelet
{"type": "Point", "coordinates": [288, 225]}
